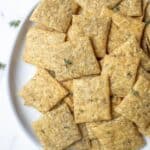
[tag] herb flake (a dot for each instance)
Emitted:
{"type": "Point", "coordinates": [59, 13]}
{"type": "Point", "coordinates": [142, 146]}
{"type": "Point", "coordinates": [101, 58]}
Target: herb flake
{"type": "Point", "coordinates": [67, 62]}
{"type": "Point", "coordinates": [135, 93]}
{"type": "Point", "coordinates": [2, 66]}
{"type": "Point", "coordinates": [14, 23]}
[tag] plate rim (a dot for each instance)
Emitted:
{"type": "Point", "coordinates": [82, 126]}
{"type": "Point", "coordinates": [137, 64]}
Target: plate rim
{"type": "Point", "coordinates": [8, 86]}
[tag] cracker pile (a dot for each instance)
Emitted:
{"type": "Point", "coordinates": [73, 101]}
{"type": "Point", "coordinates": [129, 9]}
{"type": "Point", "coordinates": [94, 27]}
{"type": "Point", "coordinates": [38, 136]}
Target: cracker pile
{"type": "Point", "coordinates": [92, 84]}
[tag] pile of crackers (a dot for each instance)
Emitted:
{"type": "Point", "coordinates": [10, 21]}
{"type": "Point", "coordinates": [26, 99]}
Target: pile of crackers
{"type": "Point", "coordinates": [92, 84]}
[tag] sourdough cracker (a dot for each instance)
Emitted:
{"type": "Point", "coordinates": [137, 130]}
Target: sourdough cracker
{"type": "Point", "coordinates": [43, 92]}
{"type": "Point", "coordinates": [132, 49]}
{"type": "Point", "coordinates": [135, 106]}
{"type": "Point", "coordinates": [84, 143]}
{"type": "Point", "coordinates": [63, 59]}
{"type": "Point", "coordinates": [96, 28]}
{"type": "Point", "coordinates": [122, 73]}
{"type": "Point", "coordinates": [91, 99]}
{"type": "Point", "coordinates": [118, 134]}
{"type": "Point", "coordinates": [122, 28]}
{"type": "Point", "coordinates": [69, 101]}
{"type": "Point", "coordinates": [57, 129]}
{"type": "Point", "coordinates": [48, 15]}
{"type": "Point", "coordinates": [131, 8]}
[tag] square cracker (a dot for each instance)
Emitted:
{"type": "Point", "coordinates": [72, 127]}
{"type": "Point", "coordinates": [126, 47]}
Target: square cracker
{"type": "Point", "coordinates": [57, 129]}
{"type": "Point", "coordinates": [122, 28]}
{"type": "Point", "coordinates": [122, 72]}
{"type": "Point", "coordinates": [136, 105]}
{"type": "Point", "coordinates": [131, 8]}
{"type": "Point", "coordinates": [55, 14]}
{"type": "Point", "coordinates": [91, 99]}
{"type": "Point", "coordinates": [43, 92]}
{"type": "Point", "coordinates": [93, 7]}
{"type": "Point", "coordinates": [132, 49]}
{"type": "Point", "coordinates": [38, 36]}
{"type": "Point", "coordinates": [84, 143]}
{"type": "Point", "coordinates": [63, 59]}
{"type": "Point", "coordinates": [118, 134]}
{"type": "Point", "coordinates": [96, 28]}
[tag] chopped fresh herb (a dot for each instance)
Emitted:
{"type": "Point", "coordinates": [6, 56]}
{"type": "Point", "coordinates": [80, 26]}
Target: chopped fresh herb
{"type": "Point", "coordinates": [135, 93]}
{"type": "Point", "coordinates": [52, 73]}
{"type": "Point", "coordinates": [147, 22]}
{"type": "Point", "coordinates": [129, 74]}
{"type": "Point", "coordinates": [14, 23]}
{"type": "Point", "coordinates": [67, 62]}
{"type": "Point", "coordinates": [2, 66]}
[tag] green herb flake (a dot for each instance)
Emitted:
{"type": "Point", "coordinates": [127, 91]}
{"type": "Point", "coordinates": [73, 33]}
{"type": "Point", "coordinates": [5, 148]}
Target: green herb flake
{"type": "Point", "coordinates": [2, 66]}
{"type": "Point", "coordinates": [135, 93]}
{"type": "Point", "coordinates": [129, 74]}
{"type": "Point", "coordinates": [67, 62]}
{"type": "Point", "coordinates": [14, 23]}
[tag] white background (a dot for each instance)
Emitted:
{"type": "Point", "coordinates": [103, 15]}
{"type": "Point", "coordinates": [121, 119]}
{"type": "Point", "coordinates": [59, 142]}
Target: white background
{"type": "Point", "coordinates": [11, 138]}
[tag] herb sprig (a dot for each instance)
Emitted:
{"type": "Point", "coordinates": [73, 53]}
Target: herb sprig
{"type": "Point", "coordinates": [14, 23]}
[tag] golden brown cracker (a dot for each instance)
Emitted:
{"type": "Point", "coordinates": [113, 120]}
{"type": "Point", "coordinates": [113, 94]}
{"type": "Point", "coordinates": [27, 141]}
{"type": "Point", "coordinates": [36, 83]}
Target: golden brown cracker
{"type": "Point", "coordinates": [131, 8]}
{"type": "Point", "coordinates": [43, 92]}
{"type": "Point", "coordinates": [96, 28]}
{"type": "Point", "coordinates": [63, 59]}
{"type": "Point", "coordinates": [118, 134]}
{"type": "Point", "coordinates": [47, 14]}
{"type": "Point", "coordinates": [122, 28]}
{"type": "Point", "coordinates": [57, 129]}
{"type": "Point", "coordinates": [91, 99]}
{"type": "Point", "coordinates": [84, 143]}
{"type": "Point", "coordinates": [122, 72]}
{"type": "Point", "coordinates": [136, 105]}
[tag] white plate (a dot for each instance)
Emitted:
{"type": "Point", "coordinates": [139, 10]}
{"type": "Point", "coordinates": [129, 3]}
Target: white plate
{"type": "Point", "coordinates": [18, 74]}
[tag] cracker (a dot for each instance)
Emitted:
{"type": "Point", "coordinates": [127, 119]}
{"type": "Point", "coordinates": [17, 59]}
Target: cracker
{"type": "Point", "coordinates": [93, 7]}
{"type": "Point", "coordinates": [118, 134]}
{"type": "Point", "coordinates": [48, 15]}
{"type": "Point", "coordinates": [132, 49]}
{"type": "Point", "coordinates": [95, 28]}
{"type": "Point", "coordinates": [43, 92]}
{"type": "Point", "coordinates": [95, 144]}
{"type": "Point", "coordinates": [136, 105]}
{"type": "Point", "coordinates": [39, 37]}
{"type": "Point", "coordinates": [91, 99]}
{"type": "Point", "coordinates": [122, 28]}
{"type": "Point", "coordinates": [84, 143]}
{"type": "Point", "coordinates": [68, 85]}
{"type": "Point", "coordinates": [131, 8]}
{"type": "Point", "coordinates": [63, 59]}
{"type": "Point", "coordinates": [122, 71]}
{"type": "Point", "coordinates": [57, 128]}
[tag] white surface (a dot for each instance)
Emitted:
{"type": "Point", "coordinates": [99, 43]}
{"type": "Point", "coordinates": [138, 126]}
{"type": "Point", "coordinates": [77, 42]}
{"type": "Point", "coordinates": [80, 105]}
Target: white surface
{"type": "Point", "coordinates": [12, 137]}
